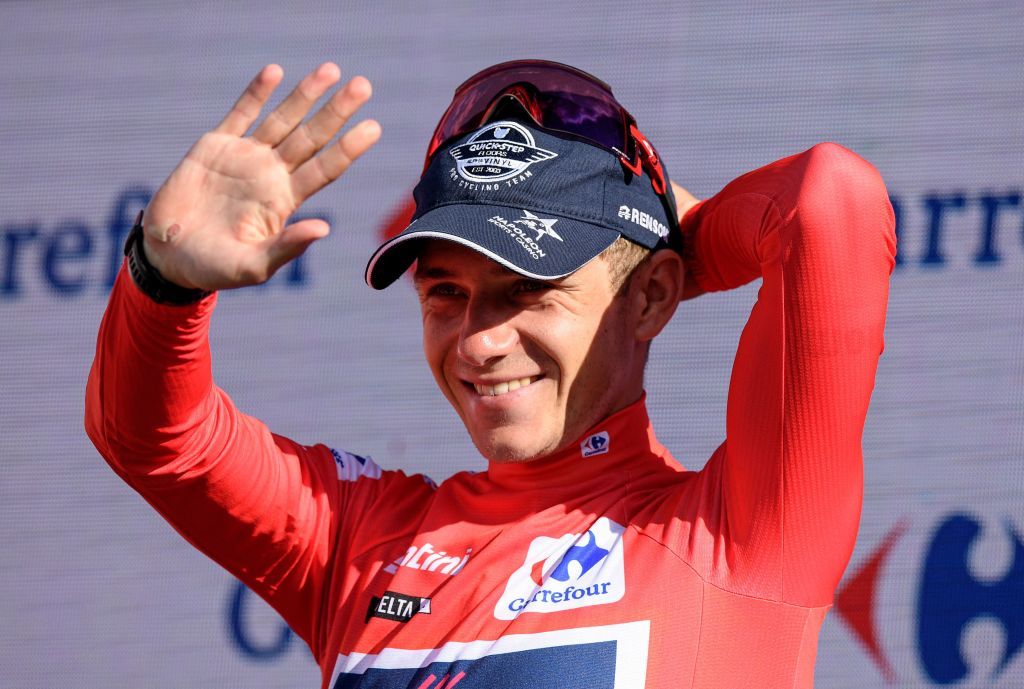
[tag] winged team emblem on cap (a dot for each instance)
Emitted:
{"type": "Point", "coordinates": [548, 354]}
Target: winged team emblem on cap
{"type": "Point", "coordinates": [498, 151]}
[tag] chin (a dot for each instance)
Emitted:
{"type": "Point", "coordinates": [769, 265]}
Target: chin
{"type": "Point", "coordinates": [503, 449]}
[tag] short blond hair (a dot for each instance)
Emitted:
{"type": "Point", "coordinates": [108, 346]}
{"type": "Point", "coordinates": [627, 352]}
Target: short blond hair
{"type": "Point", "coordinates": [623, 257]}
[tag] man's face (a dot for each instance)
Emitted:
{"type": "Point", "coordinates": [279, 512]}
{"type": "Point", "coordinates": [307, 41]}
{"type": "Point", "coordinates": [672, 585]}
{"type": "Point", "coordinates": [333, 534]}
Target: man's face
{"type": "Point", "coordinates": [528, 365]}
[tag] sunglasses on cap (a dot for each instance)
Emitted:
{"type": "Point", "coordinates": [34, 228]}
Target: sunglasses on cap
{"type": "Point", "coordinates": [559, 98]}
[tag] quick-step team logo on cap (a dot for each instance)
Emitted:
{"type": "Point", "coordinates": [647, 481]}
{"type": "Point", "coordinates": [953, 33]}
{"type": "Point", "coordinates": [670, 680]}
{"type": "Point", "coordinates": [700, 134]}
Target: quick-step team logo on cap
{"type": "Point", "coordinates": [498, 152]}
{"type": "Point", "coordinates": [572, 571]}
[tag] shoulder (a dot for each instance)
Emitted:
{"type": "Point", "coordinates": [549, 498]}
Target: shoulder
{"type": "Point", "coordinates": [355, 468]}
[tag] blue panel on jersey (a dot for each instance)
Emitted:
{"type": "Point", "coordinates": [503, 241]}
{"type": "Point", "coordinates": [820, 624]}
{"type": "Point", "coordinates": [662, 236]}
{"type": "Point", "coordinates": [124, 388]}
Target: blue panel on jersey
{"type": "Point", "coordinates": [583, 666]}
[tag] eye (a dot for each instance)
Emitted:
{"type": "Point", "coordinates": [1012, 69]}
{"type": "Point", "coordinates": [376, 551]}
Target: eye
{"type": "Point", "coordinates": [531, 286]}
{"type": "Point", "coordinates": [443, 289]}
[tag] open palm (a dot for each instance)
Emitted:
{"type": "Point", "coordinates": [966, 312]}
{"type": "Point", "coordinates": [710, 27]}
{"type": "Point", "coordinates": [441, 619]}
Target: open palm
{"type": "Point", "coordinates": [219, 220]}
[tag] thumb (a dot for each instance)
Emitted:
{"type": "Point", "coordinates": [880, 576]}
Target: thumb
{"type": "Point", "coordinates": [294, 240]}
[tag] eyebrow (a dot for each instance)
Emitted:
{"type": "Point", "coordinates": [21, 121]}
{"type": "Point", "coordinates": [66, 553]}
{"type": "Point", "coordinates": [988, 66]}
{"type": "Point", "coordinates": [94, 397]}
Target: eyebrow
{"type": "Point", "coordinates": [433, 273]}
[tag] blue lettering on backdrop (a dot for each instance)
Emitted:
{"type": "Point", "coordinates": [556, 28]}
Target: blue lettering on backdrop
{"type": "Point", "coordinates": [241, 634]}
{"type": "Point", "coordinates": [992, 205]}
{"type": "Point", "coordinates": [71, 242]}
{"type": "Point", "coordinates": [69, 255]}
{"type": "Point", "coordinates": [897, 211]}
{"type": "Point", "coordinates": [951, 597]}
{"type": "Point", "coordinates": [939, 207]}
{"type": "Point", "coordinates": [15, 238]}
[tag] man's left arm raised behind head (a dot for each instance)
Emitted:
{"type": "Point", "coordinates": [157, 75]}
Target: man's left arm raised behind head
{"type": "Point", "coordinates": [819, 229]}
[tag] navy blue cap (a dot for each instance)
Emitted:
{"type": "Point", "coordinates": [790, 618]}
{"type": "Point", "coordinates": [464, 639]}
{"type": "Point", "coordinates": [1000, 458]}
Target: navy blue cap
{"type": "Point", "coordinates": [539, 204]}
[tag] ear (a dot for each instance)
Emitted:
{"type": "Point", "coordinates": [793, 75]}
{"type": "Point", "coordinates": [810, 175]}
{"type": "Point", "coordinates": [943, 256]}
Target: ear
{"type": "Point", "coordinates": [655, 290]}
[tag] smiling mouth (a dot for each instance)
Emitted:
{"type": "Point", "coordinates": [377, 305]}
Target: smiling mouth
{"type": "Point", "coordinates": [502, 388]}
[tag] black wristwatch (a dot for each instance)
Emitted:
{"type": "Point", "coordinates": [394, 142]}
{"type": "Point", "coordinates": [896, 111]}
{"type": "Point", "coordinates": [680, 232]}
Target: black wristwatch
{"type": "Point", "coordinates": [149, 280]}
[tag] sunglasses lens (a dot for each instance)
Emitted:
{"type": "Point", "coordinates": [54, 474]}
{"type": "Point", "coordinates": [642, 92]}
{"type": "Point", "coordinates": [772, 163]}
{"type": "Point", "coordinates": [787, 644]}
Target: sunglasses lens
{"type": "Point", "coordinates": [584, 115]}
{"type": "Point", "coordinates": [569, 101]}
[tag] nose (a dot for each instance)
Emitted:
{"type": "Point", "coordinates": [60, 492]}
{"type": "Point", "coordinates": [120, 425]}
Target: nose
{"type": "Point", "coordinates": [487, 333]}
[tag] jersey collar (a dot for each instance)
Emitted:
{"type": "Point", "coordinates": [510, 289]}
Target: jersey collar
{"type": "Point", "coordinates": [619, 443]}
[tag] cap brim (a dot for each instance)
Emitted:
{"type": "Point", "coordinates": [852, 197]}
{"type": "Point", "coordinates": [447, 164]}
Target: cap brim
{"type": "Point", "coordinates": [538, 245]}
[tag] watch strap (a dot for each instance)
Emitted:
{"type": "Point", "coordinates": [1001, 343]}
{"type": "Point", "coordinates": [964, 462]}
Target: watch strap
{"type": "Point", "coordinates": [149, 280]}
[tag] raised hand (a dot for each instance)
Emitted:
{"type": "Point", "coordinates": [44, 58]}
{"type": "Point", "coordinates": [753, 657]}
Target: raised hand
{"type": "Point", "coordinates": [219, 220]}
{"type": "Point", "coordinates": [684, 199]}
{"type": "Point", "coordinates": [684, 202]}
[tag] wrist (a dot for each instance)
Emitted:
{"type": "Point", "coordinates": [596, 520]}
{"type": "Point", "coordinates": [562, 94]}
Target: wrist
{"type": "Point", "coordinates": [149, 279]}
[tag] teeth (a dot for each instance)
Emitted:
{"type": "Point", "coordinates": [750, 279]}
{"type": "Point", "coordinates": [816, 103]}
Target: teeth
{"type": "Point", "coordinates": [502, 388]}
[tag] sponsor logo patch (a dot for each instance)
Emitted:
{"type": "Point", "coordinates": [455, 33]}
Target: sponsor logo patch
{"type": "Point", "coordinates": [542, 226]}
{"type": "Point", "coordinates": [500, 151]}
{"type": "Point", "coordinates": [427, 559]}
{"type": "Point", "coordinates": [397, 607]}
{"type": "Point", "coordinates": [572, 571]}
{"type": "Point", "coordinates": [596, 444]}
{"type": "Point", "coordinates": [644, 220]}
{"type": "Point", "coordinates": [520, 229]}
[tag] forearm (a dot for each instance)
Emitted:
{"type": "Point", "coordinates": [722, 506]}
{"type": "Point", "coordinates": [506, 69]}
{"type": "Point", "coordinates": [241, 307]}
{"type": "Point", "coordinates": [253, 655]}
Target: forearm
{"type": "Point", "coordinates": [730, 237]}
{"type": "Point", "coordinates": [150, 388]}
{"type": "Point", "coordinates": [254, 502]}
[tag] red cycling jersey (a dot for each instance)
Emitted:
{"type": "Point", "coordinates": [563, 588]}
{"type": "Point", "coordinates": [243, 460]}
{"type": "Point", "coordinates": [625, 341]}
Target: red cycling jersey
{"type": "Point", "coordinates": [606, 565]}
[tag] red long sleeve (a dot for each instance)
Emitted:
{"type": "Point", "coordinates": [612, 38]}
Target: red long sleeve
{"type": "Point", "coordinates": [819, 229]}
{"type": "Point", "coordinates": [260, 504]}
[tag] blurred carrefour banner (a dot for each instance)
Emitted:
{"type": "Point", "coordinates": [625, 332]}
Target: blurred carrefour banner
{"type": "Point", "coordinates": [99, 102]}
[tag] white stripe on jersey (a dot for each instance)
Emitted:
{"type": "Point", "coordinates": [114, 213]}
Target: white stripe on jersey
{"type": "Point", "coordinates": [351, 467]}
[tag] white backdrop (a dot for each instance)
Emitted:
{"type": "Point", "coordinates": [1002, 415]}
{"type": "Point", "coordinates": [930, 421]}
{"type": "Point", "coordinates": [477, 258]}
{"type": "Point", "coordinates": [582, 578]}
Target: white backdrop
{"type": "Point", "coordinates": [97, 104]}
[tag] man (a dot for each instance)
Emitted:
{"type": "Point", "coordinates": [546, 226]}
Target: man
{"type": "Point", "coordinates": [546, 261]}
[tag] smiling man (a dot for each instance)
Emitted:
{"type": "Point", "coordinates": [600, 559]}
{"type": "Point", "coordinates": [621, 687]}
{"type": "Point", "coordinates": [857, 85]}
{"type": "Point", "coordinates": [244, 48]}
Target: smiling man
{"type": "Point", "coordinates": [521, 360]}
{"type": "Point", "coordinates": [548, 255]}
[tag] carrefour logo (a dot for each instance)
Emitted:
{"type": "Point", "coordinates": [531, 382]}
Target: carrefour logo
{"type": "Point", "coordinates": [572, 571]}
{"type": "Point", "coordinates": [596, 444]}
{"type": "Point", "coordinates": [944, 607]}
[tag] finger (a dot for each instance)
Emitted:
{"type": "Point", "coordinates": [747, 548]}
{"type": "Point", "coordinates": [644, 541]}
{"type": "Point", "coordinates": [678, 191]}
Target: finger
{"type": "Point", "coordinates": [248, 107]}
{"type": "Point", "coordinates": [293, 241]}
{"type": "Point", "coordinates": [684, 200]}
{"type": "Point", "coordinates": [318, 172]}
{"type": "Point", "coordinates": [286, 116]}
{"type": "Point", "coordinates": [312, 135]}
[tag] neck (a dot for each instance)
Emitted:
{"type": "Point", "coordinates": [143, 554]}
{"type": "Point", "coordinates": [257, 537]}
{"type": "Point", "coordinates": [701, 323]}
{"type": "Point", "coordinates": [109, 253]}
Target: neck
{"type": "Point", "coordinates": [622, 433]}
